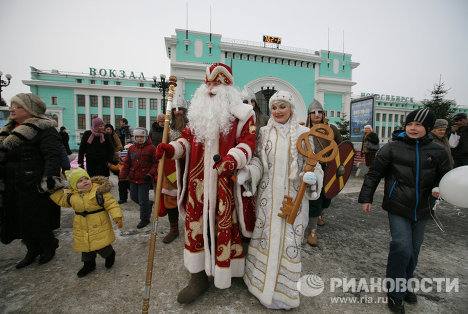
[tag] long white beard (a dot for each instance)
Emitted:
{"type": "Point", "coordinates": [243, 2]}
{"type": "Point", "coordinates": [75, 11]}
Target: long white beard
{"type": "Point", "coordinates": [211, 115]}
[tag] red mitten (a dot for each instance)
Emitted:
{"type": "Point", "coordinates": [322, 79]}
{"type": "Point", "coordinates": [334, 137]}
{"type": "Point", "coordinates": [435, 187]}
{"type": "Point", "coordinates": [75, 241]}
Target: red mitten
{"type": "Point", "coordinates": [164, 148]}
{"type": "Point", "coordinates": [226, 166]}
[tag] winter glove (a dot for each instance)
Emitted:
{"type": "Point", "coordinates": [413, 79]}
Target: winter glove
{"type": "Point", "coordinates": [148, 179]}
{"type": "Point", "coordinates": [226, 166]}
{"type": "Point", "coordinates": [119, 222]}
{"type": "Point", "coordinates": [164, 148]}
{"type": "Point", "coordinates": [50, 183]}
{"type": "Point", "coordinates": [243, 175]}
{"type": "Point", "coordinates": [310, 178]}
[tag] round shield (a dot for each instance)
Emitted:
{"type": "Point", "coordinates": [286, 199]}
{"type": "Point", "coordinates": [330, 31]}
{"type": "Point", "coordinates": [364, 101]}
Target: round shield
{"type": "Point", "coordinates": [338, 170]}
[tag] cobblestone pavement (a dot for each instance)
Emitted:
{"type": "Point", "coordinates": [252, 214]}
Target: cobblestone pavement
{"type": "Point", "coordinates": [351, 244]}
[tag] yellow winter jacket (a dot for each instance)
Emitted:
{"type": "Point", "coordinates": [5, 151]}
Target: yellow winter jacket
{"type": "Point", "coordinates": [94, 231]}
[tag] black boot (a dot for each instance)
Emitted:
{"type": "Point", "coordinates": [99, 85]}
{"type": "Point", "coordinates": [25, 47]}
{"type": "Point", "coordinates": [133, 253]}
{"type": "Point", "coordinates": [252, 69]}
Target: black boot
{"type": "Point", "coordinates": [48, 251]}
{"type": "Point", "coordinates": [173, 215]}
{"type": "Point", "coordinates": [34, 250]}
{"type": "Point", "coordinates": [142, 224]}
{"type": "Point", "coordinates": [396, 305]}
{"type": "Point", "coordinates": [411, 298]}
{"type": "Point", "coordinates": [110, 260]}
{"type": "Point", "coordinates": [28, 259]}
{"type": "Point", "coordinates": [87, 268]}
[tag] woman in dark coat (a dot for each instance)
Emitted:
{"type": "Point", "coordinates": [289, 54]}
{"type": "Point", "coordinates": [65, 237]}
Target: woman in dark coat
{"type": "Point", "coordinates": [65, 138]}
{"type": "Point", "coordinates": [370, 145]}
{"type": "Point", "coordinates": [30, 155]}
{"type": "Point", "coordinates": [98, 149]}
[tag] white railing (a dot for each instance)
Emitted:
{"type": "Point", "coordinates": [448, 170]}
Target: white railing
{"type": "Point", "coordinates": [270, 46]}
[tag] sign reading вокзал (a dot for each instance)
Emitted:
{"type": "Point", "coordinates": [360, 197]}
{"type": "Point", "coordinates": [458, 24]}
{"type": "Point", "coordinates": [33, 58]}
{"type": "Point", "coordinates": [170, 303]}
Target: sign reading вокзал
{"type": "Point", "coordinates": [113, 73]}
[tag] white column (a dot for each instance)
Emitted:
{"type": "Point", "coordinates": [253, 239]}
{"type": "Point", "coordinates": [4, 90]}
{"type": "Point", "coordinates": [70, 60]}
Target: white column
{"type": "Point", "coordinates": [99, 105]}
{"type": "Point", "coordinates": [393, 124]}
{"type": "Point", "coordinates": [137, 109]}
{"type": "Point", "coordinates": [320, 96]}
{"type": "Point", "coordinates": [123, 106]}
{"type": "Point", "coordinates": [346, 104]}
{"type": "Point", "coordinates": [112, 106]}
{"type": "Point", "coordinates": [387, 123]}
{"type": "Point", "coordinates": [87, 114]}
{"type": "Point", "coordinates": [316, 72]}
{"type": "Point", "coordinates": [75, 111]}
{"type": "Point", "coordinates": [148, 118]}
{"type": "Point", "coordinates": [180, 90]}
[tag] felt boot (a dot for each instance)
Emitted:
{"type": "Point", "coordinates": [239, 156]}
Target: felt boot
{"type": "Point", "coordinates": [88, 267]}
{"type": "Point", "coordinates": [197, 285]}
{"type": "Point", "coordinates": [173, 215]}
{"type": "Point", "coordinates": [110, 260]}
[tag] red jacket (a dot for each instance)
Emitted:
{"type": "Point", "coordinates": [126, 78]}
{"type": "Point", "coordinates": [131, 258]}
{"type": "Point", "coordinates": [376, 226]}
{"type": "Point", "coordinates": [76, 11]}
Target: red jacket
{"type": "Point", "coordinates": [139, 162]}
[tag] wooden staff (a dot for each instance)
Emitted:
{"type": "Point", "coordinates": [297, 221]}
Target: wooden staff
{"type": "Point", "coordinates": [157, 199]}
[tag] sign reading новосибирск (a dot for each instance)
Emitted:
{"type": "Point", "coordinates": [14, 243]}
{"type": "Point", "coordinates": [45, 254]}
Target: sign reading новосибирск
{"type": "Point", "coordinates": [112, 73]}
{"type": "Point", "coordinates": [389, 97]}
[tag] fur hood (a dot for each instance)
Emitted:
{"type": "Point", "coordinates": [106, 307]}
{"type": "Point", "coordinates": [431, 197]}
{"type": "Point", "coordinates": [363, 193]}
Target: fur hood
{"type": "Point", "coordinates": [105, 185]}
{"type": "Point", "coordinates": [11, 136]}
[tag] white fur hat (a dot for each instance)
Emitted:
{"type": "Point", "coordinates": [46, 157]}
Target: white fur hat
{"type": "Point", "coordinates": [281, 96]}
{"type": "Point", "coordinates": [140, 132]}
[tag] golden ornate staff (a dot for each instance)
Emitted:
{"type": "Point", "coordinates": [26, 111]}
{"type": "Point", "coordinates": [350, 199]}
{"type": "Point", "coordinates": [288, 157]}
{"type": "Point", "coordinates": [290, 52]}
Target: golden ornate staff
{"type": "Point", "coordinates": [157, 199]}
{"type": "Point", "coordinates": [290, 206]}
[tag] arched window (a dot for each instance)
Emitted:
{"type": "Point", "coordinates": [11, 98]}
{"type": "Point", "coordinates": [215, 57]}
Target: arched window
{"type": "Point", "coordinates": [263, 97]}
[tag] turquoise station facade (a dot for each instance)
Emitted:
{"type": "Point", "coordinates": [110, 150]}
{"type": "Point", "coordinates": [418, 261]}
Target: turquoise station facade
{"type": "Point", "coordinates": [73, 99]}
{"type": "Point", "coordinates": [263, 68]}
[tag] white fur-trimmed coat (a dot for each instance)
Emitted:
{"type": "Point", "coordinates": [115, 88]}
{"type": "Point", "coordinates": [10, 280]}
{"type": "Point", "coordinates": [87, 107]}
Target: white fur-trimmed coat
{"type": "Point", "coordinates": [273, 263]}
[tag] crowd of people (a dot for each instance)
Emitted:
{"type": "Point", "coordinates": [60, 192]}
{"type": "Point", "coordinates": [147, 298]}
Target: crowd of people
{"type": "Point", "coordinates": [228, 169]}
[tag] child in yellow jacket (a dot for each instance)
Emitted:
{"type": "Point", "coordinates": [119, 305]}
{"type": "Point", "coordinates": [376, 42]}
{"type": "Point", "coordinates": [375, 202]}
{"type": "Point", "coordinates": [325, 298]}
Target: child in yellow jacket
{"type": "Point", "coordinates": [92, 229]}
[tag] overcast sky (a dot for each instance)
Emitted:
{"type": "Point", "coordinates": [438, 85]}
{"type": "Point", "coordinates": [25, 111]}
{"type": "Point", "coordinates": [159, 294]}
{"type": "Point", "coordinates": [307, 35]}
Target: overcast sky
{"type": "Point", "coordinates": [402, 45]}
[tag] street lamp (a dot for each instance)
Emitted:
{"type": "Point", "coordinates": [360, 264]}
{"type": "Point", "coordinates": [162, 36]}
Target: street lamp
{"type": "Point", "coordinates": [2, 84]}
{"type": "Point", "coordinates": [163, 86]}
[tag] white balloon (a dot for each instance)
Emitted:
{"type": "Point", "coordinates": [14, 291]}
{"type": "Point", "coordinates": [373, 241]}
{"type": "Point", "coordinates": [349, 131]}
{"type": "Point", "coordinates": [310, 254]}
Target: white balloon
{"type": "Point", "coordinates": [454, 187]}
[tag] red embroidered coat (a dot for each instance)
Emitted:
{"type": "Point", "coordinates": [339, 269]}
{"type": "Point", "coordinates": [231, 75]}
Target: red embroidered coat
{"type": "Point", "coordinates": [215, 211]}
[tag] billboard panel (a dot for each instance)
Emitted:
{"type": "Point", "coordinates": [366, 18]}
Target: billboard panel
{"type": "Point", "coordinates": [361, 114]}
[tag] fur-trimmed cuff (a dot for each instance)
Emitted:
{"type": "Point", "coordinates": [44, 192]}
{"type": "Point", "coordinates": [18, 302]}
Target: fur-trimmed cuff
{"type": "Point", "coordinates": [239, 155]}
{"type": "Point", "coordinates": [223, 275]}
{"type": "Point", "coordinates": [246, 149]}
{"type": "Point", "coordinates": [256, 173]}
{"type": "Point", "coordinates": [60, 183]}
{"type": "Point", "coordinates": [194, 262]}
{"type": "Point", "coordinates": [180, 147]}
{"type": "Point", "coordinates": [169, 192]}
